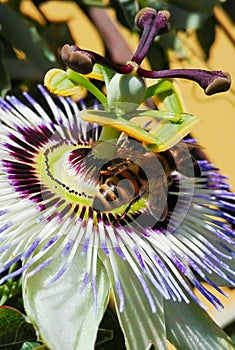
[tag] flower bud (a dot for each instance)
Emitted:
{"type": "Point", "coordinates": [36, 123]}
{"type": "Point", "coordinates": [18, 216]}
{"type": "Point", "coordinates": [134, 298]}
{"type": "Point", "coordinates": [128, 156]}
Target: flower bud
{"type": "Point", "coordinates": [126, 91]}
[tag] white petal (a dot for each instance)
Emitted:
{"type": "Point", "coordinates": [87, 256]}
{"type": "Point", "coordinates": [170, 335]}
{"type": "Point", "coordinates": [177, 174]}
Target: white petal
{"type": "Point", "coordinates": [65, 315]}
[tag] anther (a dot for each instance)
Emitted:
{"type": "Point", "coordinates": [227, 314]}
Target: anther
{"type": "Point", "coordinates": [77, 59]}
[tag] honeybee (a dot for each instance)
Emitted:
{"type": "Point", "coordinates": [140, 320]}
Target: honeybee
{"type": "Point", "coordinates": [139, 173]}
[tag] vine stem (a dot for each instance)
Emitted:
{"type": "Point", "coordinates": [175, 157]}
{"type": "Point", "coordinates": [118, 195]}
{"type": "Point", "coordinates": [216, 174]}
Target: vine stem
{"type": "Point", "coordinates": [225, 22]}
{"type": "Point", "coordinates": [117, 46]}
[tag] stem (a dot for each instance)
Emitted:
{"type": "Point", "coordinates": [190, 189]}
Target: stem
{"type": "Point", "coordinates": [225, 23]}
{"type": "Point", "coordinates": [80, 80]}
{"type": "Point", "coordinates": [211, 81]}
{"type": "Point", "coordinates": [117, 46]}
{"type": "Point", "coordinates": [108, 134]}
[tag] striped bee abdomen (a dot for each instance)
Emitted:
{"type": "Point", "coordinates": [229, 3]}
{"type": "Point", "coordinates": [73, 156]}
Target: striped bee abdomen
{"type": "Point", "coordinates": [119, 189]}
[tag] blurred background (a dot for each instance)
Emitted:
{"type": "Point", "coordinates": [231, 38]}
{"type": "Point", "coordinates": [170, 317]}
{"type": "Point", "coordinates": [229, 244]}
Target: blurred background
{"type": "Point", "coordinates": [202, 36]}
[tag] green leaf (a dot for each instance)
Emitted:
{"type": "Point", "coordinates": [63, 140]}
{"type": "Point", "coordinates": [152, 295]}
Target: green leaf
{"type": "Point", "coordinates": [157, 55]}
{"type": "Point", "coordinates": [110, 322]}
{"type": "Point", "coordinates": [189, 327]}
{"type": "Point", "coordinates": [206, 35]}
{"type": "Point", "coordinates": [5, 81]}
{"type": "Point", "coordinates": [125, 11]}
{"type": "Point", "coordinates": [14, 330]}
{"type": "Point", "coordinates": [14, 4]}
{"type": "Point", "coordinates": [25, 38]}
{"type": "Point", "coordinates": [33, 346]}
{"type": "Point", "coordinates": [37, 3]}
{"type": "Point", "coordinates": [184, 19]}
{"type": "Point", "coordinates": [10, 291]}
{"type": "Point", "coordinates": [23, 69]}
{"type": "Point", "coordinates": [229, 7]}
{"type": "Point", "coordinates": [97, 3]}
{"type": "Point", "coordinates": [56, 34]}
{"type": "Point", "coordinates": [230, 330]}
{"type": "Point", "coordinates": [185, 15]}
{"type": "Point", "coordinates": [196, 6]}
{"type": "Point", "coordinates": [104, 335]}
{"type": "Point", "coordinates": [62, 311]}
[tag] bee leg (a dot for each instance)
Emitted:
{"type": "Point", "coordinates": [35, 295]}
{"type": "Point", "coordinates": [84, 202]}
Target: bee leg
{"type": "Point", "coordinates": [135, 199]}
{"type": "Point", "coordinates": [118, 167]}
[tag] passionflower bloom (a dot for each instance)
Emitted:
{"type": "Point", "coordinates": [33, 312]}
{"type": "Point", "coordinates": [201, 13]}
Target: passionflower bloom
{"type": "Point", "coordinates": [73, 256]}
{"type": "Point", "coordinates": [75, 248]}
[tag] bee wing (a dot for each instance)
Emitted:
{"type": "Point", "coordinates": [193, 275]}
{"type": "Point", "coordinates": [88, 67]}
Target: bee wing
{"type": "Point", "coordinates": [117, 165]}
{"type": "Point", "coordinates": [185, 162]}
{"type": "Point", "coordinates": [191, 147]}
{"type": "Point", "coordinates": [196, 167]}
{"type": "Point", "coordinates": [157, 200]}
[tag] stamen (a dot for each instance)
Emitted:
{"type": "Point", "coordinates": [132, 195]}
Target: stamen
{"type": "Point", "coordinates": [74, 58]}
{"type": "Point", "coordinates": [82, 61]}
{"type": "Point", "coordinates": [211, 81]}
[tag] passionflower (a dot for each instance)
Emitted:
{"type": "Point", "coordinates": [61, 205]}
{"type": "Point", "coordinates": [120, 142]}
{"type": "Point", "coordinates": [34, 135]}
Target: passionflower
{"type": "Point", "coordinates": [74, 255]}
